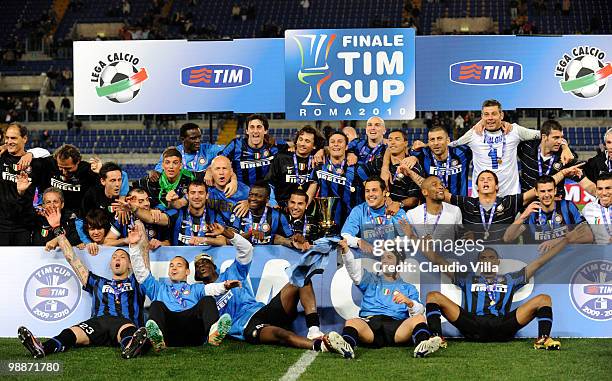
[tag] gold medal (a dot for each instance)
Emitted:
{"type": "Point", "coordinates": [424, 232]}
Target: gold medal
{"type": "Point", "coordinates": [499, 161]}
{"type": "Point", "coordinates": [492, 303]}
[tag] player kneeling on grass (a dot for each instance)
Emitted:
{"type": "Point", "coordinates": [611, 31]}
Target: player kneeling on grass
{"type": "Point", "coordinates": [390, 314]}
{"type": "Point", "coordinates": [488, 299]}
{"type": "Point", "coordinates": [181, 314]}
{"type": "Point", "coordinates": [253, 321]}
{"type": "Point", "coordinates": [116, 306]}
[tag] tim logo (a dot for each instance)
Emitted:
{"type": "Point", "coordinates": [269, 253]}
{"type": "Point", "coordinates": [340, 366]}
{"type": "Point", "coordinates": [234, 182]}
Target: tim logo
{"type": "Point", "coordinates": [486, 73]}
{"type": "Point", "coordinates": [591, 290]}
{"type": "Point", "coordinates": [216, 76]}
{"type": "Point", "coordinates": [52, 293]}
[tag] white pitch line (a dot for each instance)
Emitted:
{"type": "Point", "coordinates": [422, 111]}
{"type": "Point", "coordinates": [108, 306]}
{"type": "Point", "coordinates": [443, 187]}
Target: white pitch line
{"type": "Point", "coordinates": [296, 370]}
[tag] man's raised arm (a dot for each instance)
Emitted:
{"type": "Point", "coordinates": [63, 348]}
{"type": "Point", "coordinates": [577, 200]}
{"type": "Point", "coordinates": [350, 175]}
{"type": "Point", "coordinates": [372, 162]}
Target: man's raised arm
{"type": "Point", "coordinates": [53, 216]}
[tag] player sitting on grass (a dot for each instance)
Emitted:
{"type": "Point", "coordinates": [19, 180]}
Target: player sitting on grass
{"type": "Point", "coordinates": [253, 321]}
{"type": "Point", "coordinates": [181, 314]}
{"type": "Point", "coordinates": [390, 314]}
{"type": "Point", "coordinates": [488, 298]}
{"type": "Point", "coordinates": [116, 306]}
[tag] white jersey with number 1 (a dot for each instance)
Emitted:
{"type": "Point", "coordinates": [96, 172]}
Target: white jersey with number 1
{"type": "Point", "coordinates": [488, 150]}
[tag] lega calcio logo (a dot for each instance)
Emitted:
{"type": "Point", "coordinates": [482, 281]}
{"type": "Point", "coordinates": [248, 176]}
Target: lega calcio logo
{"type": "Point", "coordinates": [584, 72]}
{"type": "Point", "coordinates": [118, 77]}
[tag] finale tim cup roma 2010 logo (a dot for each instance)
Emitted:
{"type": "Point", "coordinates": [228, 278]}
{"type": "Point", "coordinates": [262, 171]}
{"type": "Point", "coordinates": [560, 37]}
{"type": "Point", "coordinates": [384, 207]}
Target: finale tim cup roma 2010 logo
{"type": "Point", "coordinates": [347, 73]}
{"type": "Point", "coordinates": [118, 77]}
{"type": "Point", "coordinates": [583, 73]}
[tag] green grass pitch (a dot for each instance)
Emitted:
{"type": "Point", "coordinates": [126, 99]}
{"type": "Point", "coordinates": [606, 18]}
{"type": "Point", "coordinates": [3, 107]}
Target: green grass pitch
{"type": "Point", "coordinates": [578, 359]}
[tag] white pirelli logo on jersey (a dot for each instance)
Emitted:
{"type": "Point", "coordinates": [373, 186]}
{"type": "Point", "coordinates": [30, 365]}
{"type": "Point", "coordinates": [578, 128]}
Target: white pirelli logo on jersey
{"type": "Point", "coordinates": [293, 179]}
{"type": "Point", "coordinates": [223, 300]}
{"type": "Point", "coordinates": [65, 186]}
{"type": "Point", "coordinates": [256, 163]}
{"type": "Point", "coordinates": [11, 177]}
{"type": "Point", "coordinates": [442, 171]}
{"type": "Point", "coordinates": [323, 175]}
{"type": "Point", "coordinates": [480, 287]}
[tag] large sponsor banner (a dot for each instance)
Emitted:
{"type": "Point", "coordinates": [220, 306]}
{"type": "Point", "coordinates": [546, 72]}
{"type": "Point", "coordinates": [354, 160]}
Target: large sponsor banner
{"type": "Point", "coordinates": [178, 76]}
{"type": "Point", "coordinates": [342, 74]}
{"type": "Point", "coordinates": [460, 72]}
{"type": "Point", "coordinates": [43, 293]}
{"type": "Point", "coordinates": [339, 74]}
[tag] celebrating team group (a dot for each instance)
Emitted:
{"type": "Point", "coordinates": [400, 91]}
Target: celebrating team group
{"type": "Point", "coordinates": [261, 191]}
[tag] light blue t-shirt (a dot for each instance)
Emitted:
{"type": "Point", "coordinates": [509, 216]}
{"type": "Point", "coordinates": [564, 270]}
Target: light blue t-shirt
{"type": "Point", "coordinates": [239, 303]}
{"type": "Point", "coordinates": [378, 296]}
{"type": "Point", "coordinates": [176, 296]}
{"type": "Point", "coordinates": [371, 224]}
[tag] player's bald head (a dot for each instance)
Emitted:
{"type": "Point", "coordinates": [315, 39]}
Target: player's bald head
{"type": "Point", "coordinates": [220, 161]}
{"type": "Point", "coordinates": [376, 120]}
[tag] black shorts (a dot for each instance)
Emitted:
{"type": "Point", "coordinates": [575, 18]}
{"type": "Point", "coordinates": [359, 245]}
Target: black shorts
{"type": "Point", "coordinates": [273, 314]}
{"type": "Point", "coordinates": [103, 330]}
{"type": "Point", "coordinates": [487, 328]}
{"type": "Point", "coordinates": [384, 328]}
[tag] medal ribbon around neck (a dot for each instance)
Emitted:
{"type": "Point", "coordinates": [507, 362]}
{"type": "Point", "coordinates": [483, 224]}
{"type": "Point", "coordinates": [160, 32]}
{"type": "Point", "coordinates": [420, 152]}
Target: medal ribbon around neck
{"type": "Point", "coordinates": [297, 169]}
{"type": "Point", "coordinates": [550, 163]}
{"type": "Point", "coordinates": [487, 226]}
{"type": "Point", "coordinates": [444, 178]}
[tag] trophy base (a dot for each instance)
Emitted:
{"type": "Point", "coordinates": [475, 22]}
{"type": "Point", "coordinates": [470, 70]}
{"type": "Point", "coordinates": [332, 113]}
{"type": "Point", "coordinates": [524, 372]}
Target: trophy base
{"type": "Point", "coordinates": [329, 231]}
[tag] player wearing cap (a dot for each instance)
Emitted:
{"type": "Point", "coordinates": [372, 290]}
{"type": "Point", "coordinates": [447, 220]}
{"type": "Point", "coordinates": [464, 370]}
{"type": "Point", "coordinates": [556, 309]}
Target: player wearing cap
{"type": "Point", "coordinates": [391, 313]}
{"type": "Point", "coordinates": [253, 321]}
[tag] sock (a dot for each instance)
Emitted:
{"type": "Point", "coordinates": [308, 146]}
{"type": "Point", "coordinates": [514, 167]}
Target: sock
{"type": "Point", "coordinates": [312, 320]}
{"type": "Point", "coordinates": [126, 335]}
{"type": "Point", "coordinates": [60, 343]}
{"type": "Point", "coordinates": [545, 319]}
{"type": "Point", "coordinates": [420, 333]}
{"type": "Point", "coordinates": [351, 336]}
{"type": "Point", "coordinates": [434, 318]}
